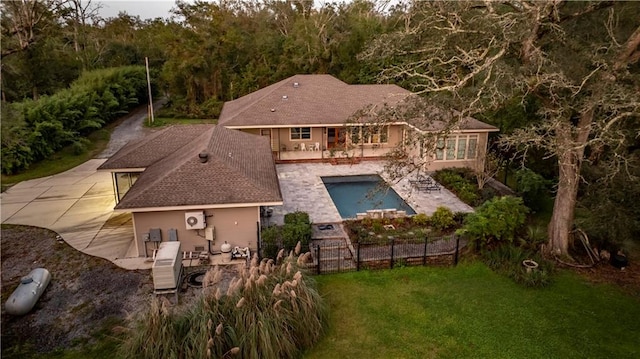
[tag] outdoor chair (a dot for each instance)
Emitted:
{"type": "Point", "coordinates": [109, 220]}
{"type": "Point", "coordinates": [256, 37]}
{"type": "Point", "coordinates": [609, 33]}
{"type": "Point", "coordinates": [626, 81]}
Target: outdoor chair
{"type": "Point", "coordinates": [426, 184]}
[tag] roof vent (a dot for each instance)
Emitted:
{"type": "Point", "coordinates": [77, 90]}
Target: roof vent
{"type": "Point", "coordinates": [296, 84]}
{"type": "Point", "coordinates": [273, 110]}
{"type": "Point", "coordinates": [284, 97]}
{"type": "Point", "coordinates": [204, 157]}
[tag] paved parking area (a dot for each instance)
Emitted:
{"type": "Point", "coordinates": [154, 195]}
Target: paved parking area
{"type": "Point", "coordinates": [78, 205]}
{"type": "Point", "coordinates": [303, 190]}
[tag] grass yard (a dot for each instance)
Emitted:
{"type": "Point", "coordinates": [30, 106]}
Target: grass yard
{"type": "Point", "coordinates": [471, 312]}
{"type": "Point", "coordinates": [62, 160]}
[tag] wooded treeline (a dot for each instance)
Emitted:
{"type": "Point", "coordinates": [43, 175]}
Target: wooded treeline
{"type": "Point", "coordinates": [208, 53]}
{"type": "Point", "coordinates": [559, 78]}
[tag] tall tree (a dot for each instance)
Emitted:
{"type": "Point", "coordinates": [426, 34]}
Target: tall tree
{"type": "Point", "coordinates": [578, 59]}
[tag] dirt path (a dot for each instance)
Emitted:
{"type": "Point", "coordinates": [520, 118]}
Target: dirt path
{"type": "Point", "coordinates": [129, 128]}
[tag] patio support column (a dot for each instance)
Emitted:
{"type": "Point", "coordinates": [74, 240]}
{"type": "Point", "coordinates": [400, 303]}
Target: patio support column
{"type": "Point", "coordinates": [279, 145]}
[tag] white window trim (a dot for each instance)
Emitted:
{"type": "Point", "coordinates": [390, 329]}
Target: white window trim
{"type": "Point", "coordinates": [368, 140]}
{"type": "Point", "coordinates": [300, 139]}
{"type": "Point", "coordinates": [456, 139]}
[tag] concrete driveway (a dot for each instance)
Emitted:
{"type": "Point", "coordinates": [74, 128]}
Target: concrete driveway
{"type": "Point", "coordinates": [78, 205]}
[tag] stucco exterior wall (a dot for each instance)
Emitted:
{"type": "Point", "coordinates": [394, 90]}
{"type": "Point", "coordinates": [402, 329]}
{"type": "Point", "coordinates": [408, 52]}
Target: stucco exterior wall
{"type": "Point", "coordinates": [237, 226]}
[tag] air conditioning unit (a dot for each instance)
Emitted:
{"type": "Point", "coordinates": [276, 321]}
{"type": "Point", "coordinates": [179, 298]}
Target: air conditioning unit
{"type": "Point", "coordinates": [194, 220]}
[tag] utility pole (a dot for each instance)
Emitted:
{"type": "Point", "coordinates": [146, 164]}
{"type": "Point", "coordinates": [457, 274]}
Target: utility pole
{"type": "Point", "coordinates": [146, 62]}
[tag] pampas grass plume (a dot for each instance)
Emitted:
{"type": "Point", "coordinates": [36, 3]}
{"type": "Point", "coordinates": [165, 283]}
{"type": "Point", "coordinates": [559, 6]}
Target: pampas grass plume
{"type": "Point", "coordinates": [240, 303]}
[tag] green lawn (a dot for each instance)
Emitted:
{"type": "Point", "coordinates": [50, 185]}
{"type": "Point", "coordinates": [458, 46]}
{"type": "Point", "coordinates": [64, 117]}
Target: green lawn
{"type": "Point", "coordinates": [471, 312]}
{"type": "Point", "coordinates": [62, 160]}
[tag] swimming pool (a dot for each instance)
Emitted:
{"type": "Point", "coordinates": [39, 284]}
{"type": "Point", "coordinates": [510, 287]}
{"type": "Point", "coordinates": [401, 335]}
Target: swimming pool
{"type": "Point", "coordinates": [357, 194]}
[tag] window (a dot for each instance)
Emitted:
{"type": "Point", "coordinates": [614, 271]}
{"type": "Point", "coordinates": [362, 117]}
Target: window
{"type": "Point", "coordinates": [355, 134]}
{"type": "Point", "coordinates": [461, 147]}
{"type": "Point", "coordinates": [301, 133]}
{"type": "Point", "coordinates": [473, 147]}
{"type": "Point", "coordinates": [123, 182]}
{"type": "Point", "coordinates": [370, 135]}
{"type": "Point", "coordinates": [440, 149]}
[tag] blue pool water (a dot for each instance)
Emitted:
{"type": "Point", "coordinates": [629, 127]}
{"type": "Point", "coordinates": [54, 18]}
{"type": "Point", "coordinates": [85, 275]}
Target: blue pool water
{"type": "Point", "coordinates": [357, 194]}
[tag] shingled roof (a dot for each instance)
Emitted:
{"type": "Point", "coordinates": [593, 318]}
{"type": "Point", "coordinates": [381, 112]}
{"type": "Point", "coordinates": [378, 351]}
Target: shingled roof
{"type": "Point", "coordinates": [306, 100]}
{"type": "Point", "coordinates": [154, 147]}
{"type": "Point", "coordinates": [239, 170]}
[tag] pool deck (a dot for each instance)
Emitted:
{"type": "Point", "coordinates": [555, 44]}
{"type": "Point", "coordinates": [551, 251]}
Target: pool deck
{"type": "Point", "coordinates": [303, 190]}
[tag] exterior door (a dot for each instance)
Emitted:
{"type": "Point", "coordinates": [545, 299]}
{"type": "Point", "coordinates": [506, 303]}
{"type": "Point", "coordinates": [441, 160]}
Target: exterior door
{"type": "Point", "coordinates": [335, 137]}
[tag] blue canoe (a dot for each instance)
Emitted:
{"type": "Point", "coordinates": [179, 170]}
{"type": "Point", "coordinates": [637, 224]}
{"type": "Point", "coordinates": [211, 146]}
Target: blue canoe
{"type": "Point", "coordinates": [31, 287]}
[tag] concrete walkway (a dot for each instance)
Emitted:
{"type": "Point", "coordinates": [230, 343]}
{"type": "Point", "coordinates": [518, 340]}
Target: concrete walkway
{"type": "Point", "coordinates": [303, 190]}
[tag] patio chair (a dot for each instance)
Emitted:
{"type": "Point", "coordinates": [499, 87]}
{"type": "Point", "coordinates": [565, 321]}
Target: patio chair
{"type": "Point", "coordinates": [303, 147]}
{"type": "Point", "coordinates": [317, 146]}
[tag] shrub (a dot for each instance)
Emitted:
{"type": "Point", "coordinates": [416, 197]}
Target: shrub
{"type": "Point", "coordinates": [460, 181]}
{"type": "Point", "coordinates": [507, 259]}
{"type": "Point", "coordinates": [270, 311]}
{"type": "Point", "coordinates": [296, 228]}
{"type": "Point", "coordinates": [420, 219]}
{"type": "Point", "coordinates": [50, 123]}
{"type": "Point", "coordinates": [532, 187]}
{"type": "Point", "coordinates": [497, 219]}
{"type": "Point", "coordinates": [271, 239]}
{"type": "Point", "coordinates": [442, 219]}
{"type": "Point", "coordinates": [297, 217]}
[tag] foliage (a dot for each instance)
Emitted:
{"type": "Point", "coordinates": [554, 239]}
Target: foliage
{"type": "Point", "coordinates": [271, 239]}
{"type": "Point", "coordinates": [37, 129]}
{"type": "Point", "coordinates": [507, 259]}
{"type": "Point", "coordinates": [420, 219]}
{"type": "Point", "coordinates": [468, 58]}
{"type": "Point", "coordinates": [532, 187]}
{"type": "Point", "coordinates": [472, 304]}
{"type": "Point", "coordinates": [496, 220]}
{"type": "Point", "coordinates": [461, 182]}
{"type": "Point", "coordinates": [442, 219]}
{"type": "Point", "coordinates": [269, 311]}
{"type": "Point", "coordinates": [296, 228]}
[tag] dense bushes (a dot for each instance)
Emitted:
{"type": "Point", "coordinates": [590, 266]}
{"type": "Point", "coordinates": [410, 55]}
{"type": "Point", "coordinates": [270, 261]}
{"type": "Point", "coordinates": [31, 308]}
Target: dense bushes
{"type": "Point", "coordinates": [532, 187]}
{"type": "Point", "coordinates": [270, 311]}
{"type": "Point", "coordinates": [461, 182]}
{"type": "Point", "coordinates": [496, 220]}
{"type": "Point", "coordinates": [33, 130]}
{"type": "Point", "coordinates": [296, 228]}
{"type": "Point", "coordinates": [507, 259]}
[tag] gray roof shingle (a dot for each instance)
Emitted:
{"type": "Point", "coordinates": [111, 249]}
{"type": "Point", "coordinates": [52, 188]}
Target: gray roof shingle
{"type": "Point", "coordinates": [239, 170]}
{"type": "Point", "coordinates": [316, 100]}
{"type": "Point", "coordinates": [321, 100]}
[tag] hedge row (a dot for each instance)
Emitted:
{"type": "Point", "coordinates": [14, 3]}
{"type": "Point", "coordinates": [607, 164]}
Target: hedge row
{"type": "Point", "coordinates": [34, 130]}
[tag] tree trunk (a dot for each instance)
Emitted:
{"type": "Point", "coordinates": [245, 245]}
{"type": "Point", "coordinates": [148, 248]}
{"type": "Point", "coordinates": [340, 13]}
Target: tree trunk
{"type": "Point", "coordinates": [572, 144]}
{"type": "Point", "coordinates": [564, 205]}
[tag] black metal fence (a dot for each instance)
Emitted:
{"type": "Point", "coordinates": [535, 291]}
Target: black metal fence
{"type": "Point", "coordinates": [338, 256]}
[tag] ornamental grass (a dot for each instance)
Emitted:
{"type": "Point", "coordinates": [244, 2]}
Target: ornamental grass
{"type": "Point", "coordinates": [271, 310]}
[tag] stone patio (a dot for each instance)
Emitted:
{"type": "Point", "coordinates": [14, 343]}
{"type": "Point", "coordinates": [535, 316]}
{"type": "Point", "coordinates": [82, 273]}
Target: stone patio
{"type": "Point", "coordinates": [303, 190]}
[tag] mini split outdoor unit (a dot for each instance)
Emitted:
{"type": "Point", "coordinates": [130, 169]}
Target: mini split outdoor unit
{"type": "Point", "coordinates": [195, 220]}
